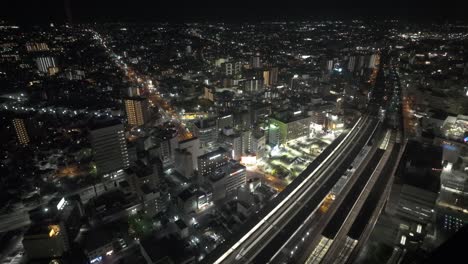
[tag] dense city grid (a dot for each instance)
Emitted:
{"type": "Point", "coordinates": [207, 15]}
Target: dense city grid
{"type": "Point", "coordinates": [269, 142]}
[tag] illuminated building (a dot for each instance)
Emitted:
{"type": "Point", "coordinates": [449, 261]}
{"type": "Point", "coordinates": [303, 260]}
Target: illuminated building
{"type": "Point", "coordinates": [110, 149]}
{"type": "Point", "coordinates": [266, 78]}
{"type": "Point", "coordinates": [207, 131]}
{"type": "Point", "coordinates": [38, 46]}
{"type": "Point", "coordinates": [255, 62]}
{"type": "Point", "coordinates": [274, 134]}
{"type": "Point", "coordinates": [44, 63]}
{"type": "Point", "coordinates": [209, 94]}
{"type": "Point", "coordinates": [137, 111]}
{"type": "Point", "coordinates": [52, 70]}
{"type": "Point", "coordinates": [232, 68]}
{"type": "Point", "coordinates": [211, 163]}
{"type": "Point", "coordinates": [225, 121]}
{"type": "Point", "coordinates": [21, 132]}
{"type": "Point", "coordinates": [234, 143]}
{"type": "Point", "coordinates": [273, 76]}
{"type": "Point", "coordinates": [454, 127]}
{"type": "Point", "coordinates": [227, 180]}
{"type": "Point", "coordinates": [253, 85]}
{"type": "Point", "coordinates": [291, 126]}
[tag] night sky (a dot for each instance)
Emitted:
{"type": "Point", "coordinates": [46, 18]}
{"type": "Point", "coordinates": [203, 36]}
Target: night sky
{"type": "Point", "coordinates": [82, 11]}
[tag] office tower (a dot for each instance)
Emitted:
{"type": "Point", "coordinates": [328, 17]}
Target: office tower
{"type": "Point", "coordinates": [226, 180]}
{"type": "Point", "coordinates": [44, 63]}
{"type": "Point", "coordinates": [21, 132]}
{"type": "Point", "coordinates": [246, 142]}
{"type": "Point", "coordinates": [274, 134]}
{"type": "Point", "coordinates": [212, 162]}
{"type": "Point", "coordinates": [137, 110]}
{"type": "Point", "coordinates": [110, 148]}
{"type": "Point", "coordinates": [255, 62]}
{"type": "Point", "coordinates": [207, 131]}
{"type": "Point", "coordinates": [232, 142]}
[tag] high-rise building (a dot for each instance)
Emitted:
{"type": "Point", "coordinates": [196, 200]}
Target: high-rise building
{"type": "Point", "coordinates": [226, 120]}
{"type": "Point", "coordinates": [44, 63]}
{"type": "Point", "coordinates": [227, 179]}
{"type": "Point", "coordinates": [21, 132]}
{"type": "Point", "coordinates": [270, 76]}
{"type": "Point", "coordinates": [207, 131]}
{"type": "Point", "coordinates": [255, 62]}
{"type": "Point", "coordinates": [137, 110]}
{"type": "Point", "coordinates": [266, 78]}
{"type": "Point", "coordinates": [110, 148]}
{"type": "Point", "coordinates": [253, 85]}
{"type": "Point", "coordinates": [212, 162]}
{"type": "Point", "coordinates": [234, 143]}
{"type": "Point", "coordinates": [232, 68]}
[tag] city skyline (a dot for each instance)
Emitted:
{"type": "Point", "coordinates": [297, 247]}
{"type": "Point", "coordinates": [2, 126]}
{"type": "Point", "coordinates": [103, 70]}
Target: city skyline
{"type": "Point", "coordinates": [190, 133]}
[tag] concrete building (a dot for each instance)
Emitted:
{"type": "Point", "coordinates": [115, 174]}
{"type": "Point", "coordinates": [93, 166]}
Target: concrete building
{"type": "Point", "coordinates": [227, 180]}
{"type": "Point", "coordinates": [212, 163]}
{"type": "Point", "coordinates": [416, 204]}
{"type": "Point", "coordinates": [206, 131]}
{"type": "Point", "coordinates": [192, 146]}
{"type": "Point", "coordinates": [184, 163]}
{"type": "Point", "coordinates": [225, 121]}
{"type": "Point", "coordinates": [44, 63]}
{"type": "Point", "coordinates": [291, 126]}
{"type": "Point", "coordinates": [21, 132]}
{"type": "Point", "coordinates": [137, 110]}
{"type": "Point", "coordinates": [110, 148]}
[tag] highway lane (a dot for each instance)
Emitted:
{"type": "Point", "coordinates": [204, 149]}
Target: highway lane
{"type": "Point", "coordinates": [367, 218]}
{"type": "Point", "coordinates": [335, 223]}
{"type": "Point", "coordinates": [288, 198]}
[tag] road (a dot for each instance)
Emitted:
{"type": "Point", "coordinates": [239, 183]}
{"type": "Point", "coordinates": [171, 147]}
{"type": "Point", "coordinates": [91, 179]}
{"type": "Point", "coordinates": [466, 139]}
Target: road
{"type": "Point", "coordinates": [141, 80]}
